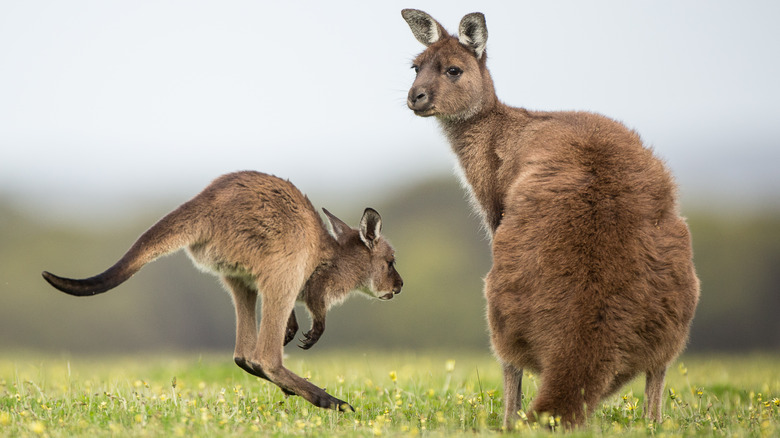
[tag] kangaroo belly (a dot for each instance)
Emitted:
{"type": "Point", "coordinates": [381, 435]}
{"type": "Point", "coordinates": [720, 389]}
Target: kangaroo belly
{"type": "Point", "coordinates": [208, 259]}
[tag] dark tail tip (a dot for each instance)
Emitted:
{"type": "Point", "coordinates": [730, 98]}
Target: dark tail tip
{"type": "Point", "coordinates": [80, 288]}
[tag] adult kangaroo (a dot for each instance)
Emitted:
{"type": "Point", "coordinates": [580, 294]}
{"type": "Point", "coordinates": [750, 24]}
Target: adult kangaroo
{"type": "Point", "coordinates": [592, 280]}
{"type": "Point", "coordinates": [262, 236]}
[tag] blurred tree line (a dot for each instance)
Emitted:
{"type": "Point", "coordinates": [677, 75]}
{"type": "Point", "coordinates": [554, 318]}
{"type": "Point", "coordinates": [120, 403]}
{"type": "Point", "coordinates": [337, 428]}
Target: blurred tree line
{"type": "Point", "coordinates": [442, 254]}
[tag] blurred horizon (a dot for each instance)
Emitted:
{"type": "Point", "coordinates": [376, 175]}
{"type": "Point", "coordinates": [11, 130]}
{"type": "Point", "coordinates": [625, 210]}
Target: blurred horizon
{"type": "Point", "coordinates": [442, 254]}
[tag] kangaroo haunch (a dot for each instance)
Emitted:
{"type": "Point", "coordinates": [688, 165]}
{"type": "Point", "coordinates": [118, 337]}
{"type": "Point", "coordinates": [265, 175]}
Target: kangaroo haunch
{"type": "Point", "coordinates": [592, 280]}
{"type": "Point", "coordinates": [262, 236]}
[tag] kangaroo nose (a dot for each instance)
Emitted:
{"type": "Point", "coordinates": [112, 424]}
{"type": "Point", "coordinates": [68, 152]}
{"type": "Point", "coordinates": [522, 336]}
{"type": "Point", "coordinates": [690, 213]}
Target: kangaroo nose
{"type": "Point", "coordinates": [417, 98]}
{"type": "Point", "coordinates": [397, 288]}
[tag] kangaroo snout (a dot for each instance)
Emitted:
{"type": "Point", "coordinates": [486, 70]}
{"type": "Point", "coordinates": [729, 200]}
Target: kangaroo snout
{"type": "Point", "coordinates": [419, 101]}
{"type": "Point", "coordinates": [396, 290]}
{"type": "Point", "coordinates": [399, 284]}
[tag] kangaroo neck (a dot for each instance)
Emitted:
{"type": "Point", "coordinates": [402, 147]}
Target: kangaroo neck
{"type": "Point", "coordinates": [336, 273]}
{"type": "Point", "coordinates": [475, 142]}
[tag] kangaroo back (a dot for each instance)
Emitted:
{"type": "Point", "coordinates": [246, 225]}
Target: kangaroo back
{"type": "Point", "coordinates": [169, 234]}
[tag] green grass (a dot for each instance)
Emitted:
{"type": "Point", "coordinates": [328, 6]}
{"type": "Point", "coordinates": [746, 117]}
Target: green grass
{"type": "Point", "coordinates": [394, 394]}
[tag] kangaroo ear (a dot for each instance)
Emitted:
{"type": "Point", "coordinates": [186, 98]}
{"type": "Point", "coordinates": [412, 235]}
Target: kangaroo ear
{"type": "Point", "coordinates": [424, 27]}
{"type": "Point", "coordinates": [338, 226]}
{"type": "Point", "coordinates": [473, 33]}
{"type": "Point", "coordinates": [370, 226]}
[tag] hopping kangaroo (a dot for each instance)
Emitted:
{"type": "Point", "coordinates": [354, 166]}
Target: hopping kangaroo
{"type": "Point", "coordinates": [262, 236]}
{"type": "Point", "coordinates": [592, 280]}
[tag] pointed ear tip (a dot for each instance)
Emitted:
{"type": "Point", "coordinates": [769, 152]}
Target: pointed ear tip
{"type": "Point", "coordinates": [415, 16]}
{"type": "Point", "coordinates": [370, 211]}
{"type": "Point", "coordinates": [334, 221]}
{"type": "Point", "coordinates": [477, 17]}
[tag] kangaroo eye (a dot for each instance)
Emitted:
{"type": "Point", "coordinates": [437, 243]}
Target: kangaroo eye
{"type": "Point", "coordinates": [416, 69]}
{"type": "Point", "coordinates": [454, 71]}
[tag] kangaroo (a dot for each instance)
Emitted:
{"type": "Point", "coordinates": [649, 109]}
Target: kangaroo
{"type": "Point", "coordinates": [262, 236]}
{"type": "Point", "coordinates": [592, 280]}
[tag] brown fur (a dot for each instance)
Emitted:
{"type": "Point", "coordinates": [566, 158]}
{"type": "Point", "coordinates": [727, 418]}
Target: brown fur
{"type": "Point", "coordinates": [262, 236]}
{"type": "Point", "coordinates": [592, 280]}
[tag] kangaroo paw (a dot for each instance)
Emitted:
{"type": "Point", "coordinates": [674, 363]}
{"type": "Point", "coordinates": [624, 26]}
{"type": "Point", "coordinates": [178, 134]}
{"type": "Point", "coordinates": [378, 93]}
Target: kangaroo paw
{"type": "Point", "coordinates": [307, 343]}
{"type": "Point", "coordinates": [289, 335]}
{"type": "Point", "coordinates": [292, 328]}
{"type": "Point", "coordinates": [310, 338]}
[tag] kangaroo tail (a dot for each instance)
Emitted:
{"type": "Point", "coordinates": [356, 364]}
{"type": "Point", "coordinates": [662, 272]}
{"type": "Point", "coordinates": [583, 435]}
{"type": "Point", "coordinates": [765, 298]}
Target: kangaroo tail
{"type": "Point", "coordinates": [169, 234]}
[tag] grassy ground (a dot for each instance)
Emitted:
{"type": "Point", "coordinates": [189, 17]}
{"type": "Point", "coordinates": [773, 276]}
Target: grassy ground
{"type": "Point", "coordinates": [395, 394]}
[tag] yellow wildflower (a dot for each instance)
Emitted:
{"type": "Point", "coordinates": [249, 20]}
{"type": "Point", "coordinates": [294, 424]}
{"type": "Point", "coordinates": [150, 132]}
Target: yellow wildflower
{"type": "Point", "coordinates": [37, 427]}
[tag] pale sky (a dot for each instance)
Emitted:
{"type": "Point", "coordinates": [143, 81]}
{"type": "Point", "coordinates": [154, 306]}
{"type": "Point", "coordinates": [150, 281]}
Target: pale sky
{"type": "Point", "coordinates": [152, 99]}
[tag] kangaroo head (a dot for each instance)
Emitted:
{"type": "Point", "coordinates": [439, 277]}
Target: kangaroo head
{"type": "Point", "coordinates": [365, 256]}
{"type": "Point", "coordinates": [452, 82]}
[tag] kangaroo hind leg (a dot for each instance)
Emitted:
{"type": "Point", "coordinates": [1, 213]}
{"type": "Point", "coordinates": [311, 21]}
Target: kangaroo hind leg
{"type": "Point", "coordinates": [513, 394]}
{"type": "Point", "coordinates": [245, 302]}
{"type": "Point", "coordinates": [654, 388]}
{"type": "Point", "coordinates": [276, 309]}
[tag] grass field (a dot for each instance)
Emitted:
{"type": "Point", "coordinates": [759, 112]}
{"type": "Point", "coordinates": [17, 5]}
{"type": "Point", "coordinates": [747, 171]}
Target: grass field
{"type": "Point", "coordinates": [394, 394]}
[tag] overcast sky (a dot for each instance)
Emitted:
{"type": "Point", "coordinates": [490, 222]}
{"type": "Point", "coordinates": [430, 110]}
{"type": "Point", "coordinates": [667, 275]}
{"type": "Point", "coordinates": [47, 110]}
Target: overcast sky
{"type": "Point", "coordinates": [153, 99]}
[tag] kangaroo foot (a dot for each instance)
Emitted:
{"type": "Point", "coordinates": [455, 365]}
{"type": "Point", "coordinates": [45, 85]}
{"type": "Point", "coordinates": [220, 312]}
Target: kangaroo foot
{"type": "Point", "coordinates": [327, 401]}
{"type": "Point", "coordinates": [255, 370]}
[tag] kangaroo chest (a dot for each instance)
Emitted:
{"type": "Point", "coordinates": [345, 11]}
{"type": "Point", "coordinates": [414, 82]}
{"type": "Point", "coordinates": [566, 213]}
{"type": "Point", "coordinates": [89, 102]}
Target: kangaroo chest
{"type": "Point", "coordinates": [482, 179]}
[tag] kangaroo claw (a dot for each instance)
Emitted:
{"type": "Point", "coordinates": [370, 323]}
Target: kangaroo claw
{"type": "Point", "coordinates": [309, 339]}
{"type": "Point", "coordinates": [346, 407]}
